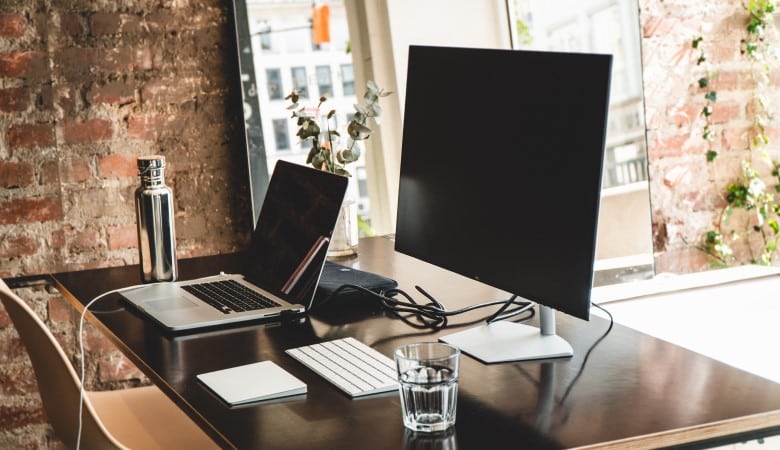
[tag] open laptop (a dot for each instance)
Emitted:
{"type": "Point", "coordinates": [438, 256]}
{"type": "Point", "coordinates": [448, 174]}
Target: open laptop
{"type": "Point", "coordinates": [283, 266]}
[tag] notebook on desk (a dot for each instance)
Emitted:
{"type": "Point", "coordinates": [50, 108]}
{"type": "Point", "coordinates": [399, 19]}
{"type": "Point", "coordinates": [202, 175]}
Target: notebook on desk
{"type": "Point", "coordinates": [283, 265]}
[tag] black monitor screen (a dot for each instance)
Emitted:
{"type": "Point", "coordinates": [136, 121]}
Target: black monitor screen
{"type": "Point", "coordinates": [501, 168]}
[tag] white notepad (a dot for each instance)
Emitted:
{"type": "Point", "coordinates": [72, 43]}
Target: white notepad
{"type": "Point", "coordinates": [252, 382]}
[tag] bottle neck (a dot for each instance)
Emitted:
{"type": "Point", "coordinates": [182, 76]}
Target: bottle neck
{"type": "Point", "coordinates": [153, 178]}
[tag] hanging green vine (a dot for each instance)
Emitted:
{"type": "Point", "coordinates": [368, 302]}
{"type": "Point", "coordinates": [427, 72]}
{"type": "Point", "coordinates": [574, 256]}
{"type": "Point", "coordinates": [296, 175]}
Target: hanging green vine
{"type": "Point", "coordinates": [749, 192]}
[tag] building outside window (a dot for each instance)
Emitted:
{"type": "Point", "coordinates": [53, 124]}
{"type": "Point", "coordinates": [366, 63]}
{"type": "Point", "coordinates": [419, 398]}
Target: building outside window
{"type": "Point", "coordinates": [281, 134]}
{"type": "Point", "coordinates": [324, 81]}
{"type": "Point", "coordinates": [273, 79]}
{"type": "Point", "coordinates": [300, 82]}
{"type": "Point", "coordinates": [264, 31]}
{"type": "Point", "coordinates": [348, 79]}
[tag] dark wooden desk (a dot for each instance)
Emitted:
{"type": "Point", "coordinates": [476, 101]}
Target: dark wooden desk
{"type": "Point", "coordinates": [634, 391]}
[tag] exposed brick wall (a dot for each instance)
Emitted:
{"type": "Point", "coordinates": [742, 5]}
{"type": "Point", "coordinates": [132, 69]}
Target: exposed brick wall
{"type": "Point", "coordinates": [685, 202]}
{"type": "Point", "coordinates": [85, 88]}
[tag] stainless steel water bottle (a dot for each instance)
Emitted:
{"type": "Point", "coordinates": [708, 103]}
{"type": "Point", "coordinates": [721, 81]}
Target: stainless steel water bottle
{"type": "Point", "coordinates": [154, 214]}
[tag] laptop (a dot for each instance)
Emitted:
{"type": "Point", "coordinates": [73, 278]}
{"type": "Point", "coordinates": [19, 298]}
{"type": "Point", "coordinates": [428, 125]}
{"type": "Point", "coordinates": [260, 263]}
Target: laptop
{"type": "Point", "coordinates": [283, 266]}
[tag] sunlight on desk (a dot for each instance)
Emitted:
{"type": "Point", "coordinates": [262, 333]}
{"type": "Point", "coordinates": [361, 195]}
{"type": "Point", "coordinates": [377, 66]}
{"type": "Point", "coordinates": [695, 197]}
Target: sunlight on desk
{"type": "Point", "coordinates": [736, 322]}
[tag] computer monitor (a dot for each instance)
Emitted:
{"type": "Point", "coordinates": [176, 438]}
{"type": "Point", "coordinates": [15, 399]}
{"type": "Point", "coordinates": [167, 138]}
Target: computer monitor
{"type": "Point", "coordinates": [500, 181]}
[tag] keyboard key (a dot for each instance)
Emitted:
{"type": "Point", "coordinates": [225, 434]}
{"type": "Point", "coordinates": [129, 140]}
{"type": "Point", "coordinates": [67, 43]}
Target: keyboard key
{"type": "Point", "coordinates": [230, 296]}
{"type": "Point", "coordinates": [350, 365]}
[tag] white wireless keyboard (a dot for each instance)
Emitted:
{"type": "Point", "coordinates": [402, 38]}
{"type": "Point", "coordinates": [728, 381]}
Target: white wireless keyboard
{"type": "Point", "coordinates": [350, 365]}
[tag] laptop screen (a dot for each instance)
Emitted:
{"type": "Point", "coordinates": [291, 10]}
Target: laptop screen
{"type": "Point", "coordinates": [293, 230]}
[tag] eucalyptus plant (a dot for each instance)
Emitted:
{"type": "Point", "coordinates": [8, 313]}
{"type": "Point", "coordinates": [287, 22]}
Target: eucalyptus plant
{"type": "Point", "coordinates": [325, 153]}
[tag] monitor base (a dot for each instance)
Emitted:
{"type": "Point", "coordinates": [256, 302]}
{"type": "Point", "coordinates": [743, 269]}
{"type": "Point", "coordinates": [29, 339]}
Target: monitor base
{"type": "Point", "coordinates": [508, 341]}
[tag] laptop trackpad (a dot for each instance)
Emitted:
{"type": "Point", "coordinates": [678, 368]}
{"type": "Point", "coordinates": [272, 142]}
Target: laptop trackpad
{"type": "Point", "coordinates": [167, 304]}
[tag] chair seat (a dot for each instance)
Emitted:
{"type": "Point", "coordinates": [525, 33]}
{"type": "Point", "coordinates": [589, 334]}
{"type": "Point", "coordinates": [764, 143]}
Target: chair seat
{"type": "Point", "coordinates": [145, 418]}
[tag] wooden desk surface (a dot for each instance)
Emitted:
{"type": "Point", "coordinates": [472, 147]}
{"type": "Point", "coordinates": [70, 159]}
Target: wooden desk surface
{"type": "Point", "coordinates": [634, 390]}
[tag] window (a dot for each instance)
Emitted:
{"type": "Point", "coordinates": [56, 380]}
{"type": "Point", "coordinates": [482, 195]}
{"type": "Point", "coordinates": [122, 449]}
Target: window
{"type": "Point", "coordinates": [324, 82]}
{"type": "Point", "coordinates": [281, 134]}
{"type": "Point", "coordinates": [347, 79]}
{"type": "Point", "coordinates": [273, 79]}
{"type": "Point", "coordinates": [264, 31]}
{"type": "Point", "coordinates": [300, 83]}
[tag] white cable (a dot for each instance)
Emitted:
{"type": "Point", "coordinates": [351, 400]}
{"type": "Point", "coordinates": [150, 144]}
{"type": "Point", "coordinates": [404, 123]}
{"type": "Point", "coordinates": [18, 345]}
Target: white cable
{"type": "Point", "coordinates": [81, 353]}
{"type": "Point", "coordinates": [81, 346]}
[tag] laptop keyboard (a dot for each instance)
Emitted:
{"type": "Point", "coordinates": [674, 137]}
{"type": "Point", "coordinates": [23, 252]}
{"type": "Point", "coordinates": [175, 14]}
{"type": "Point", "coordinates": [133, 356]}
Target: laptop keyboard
{"type": "Point", "coordinates": [350, 365]}
{"type": "Point", "coordinates": [230, 296]}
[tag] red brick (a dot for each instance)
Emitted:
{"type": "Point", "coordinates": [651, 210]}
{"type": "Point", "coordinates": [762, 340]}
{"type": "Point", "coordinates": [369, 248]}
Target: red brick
{"type": "Point", "coordinates": [76, 62]}
{"type": "Point", "coordinates": [17, 416]}
{"type": "Point", "coordinates": [18, 379]}
{"type": "Point", "coordinates": [16, 174]}
{"type": "Point", "coordinates": [71, 24]}
{"type": "Point", "coordinates": [12, 350]}
{"type": "Point", "coordinates": [665, 146]}
{"type": "Point", "coordinates": [122, 237]}
{"type": "Point", "coordinates": [96, 341]}
{"type": "Point", "coordinates": [168, 90]}
{"type": "Point", "coordinates": [28, 210]}
{"type": "Point", "coordinates": [14, 99]}
{"type": "Point", "coordinates": [145, 127]}
{"type": "Point", "coordinates": [102, 24]}
{"type": "Point", "coordinates": [114, 93]}
{"type": "Point", "coordinates": [87, 132]}
{"type": "Point", "coordinates": [12, 25]}
{"type": "Point", "coordinates": [31, 135]}
{"type": "Point", "coordinates": [76, 170]}
{"type": "Point", "coordinates": [50, 173]}
{"type": "Point", "coordinates": [23, 65]}
{"type": "Point", "coordinates": [60, 311]}
{"type": "Point", "coordinates": [117, 166]}
{"type": "Point", "coordinates": [128, 58]}
{"type": "Point", "coordinates": [725, 112]}
{"type": "Point", "coordinates": [109, 24]}
{"type": "Point", "coordinates": [15, 246]}
{"type": "Point", "coordinates": [86, 240]}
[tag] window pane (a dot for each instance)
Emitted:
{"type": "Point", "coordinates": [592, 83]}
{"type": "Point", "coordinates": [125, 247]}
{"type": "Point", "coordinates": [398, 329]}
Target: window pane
{"type": "Point", "coordinates": [281, 134]}
{"type": "Point", "coordinates": [299, 81]}
{"type": "Point", "coordinates": [264, 30]}
{"type": "Point", "coordinates": [273, 79]}
{"type": "Point", "coordinates": [324, 82]}
{"type": "Point", "coordinates": [348, 79]}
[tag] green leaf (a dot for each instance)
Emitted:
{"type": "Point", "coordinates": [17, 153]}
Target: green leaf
{"type": "Point", "coordinates": [772, 223]}
{"type": "Point", "coordinates": [711, 96]}
{"type": "Point", "coordinates": [711, 155]}
{"type": "Point", "coordinates": [358, 131]}
{"type": "Point", "coordinates": [704, 82]}
{"type": "Point", "coordinates": [696, 41]}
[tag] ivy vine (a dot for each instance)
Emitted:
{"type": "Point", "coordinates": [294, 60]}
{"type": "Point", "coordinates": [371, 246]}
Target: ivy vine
{"type": "Point", "coordinates": [748, 192]}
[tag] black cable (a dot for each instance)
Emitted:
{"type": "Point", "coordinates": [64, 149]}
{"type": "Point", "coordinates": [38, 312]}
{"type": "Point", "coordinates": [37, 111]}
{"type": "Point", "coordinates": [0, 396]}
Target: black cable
{"type": "Point", "coordinates": [432, 315]}
{"type": "Point", "coordinates": [587, 355]}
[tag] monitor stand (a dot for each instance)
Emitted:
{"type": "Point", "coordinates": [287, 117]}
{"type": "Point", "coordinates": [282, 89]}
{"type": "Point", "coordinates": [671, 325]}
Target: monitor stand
{"type": "Point", "coordinates": [504, 341]}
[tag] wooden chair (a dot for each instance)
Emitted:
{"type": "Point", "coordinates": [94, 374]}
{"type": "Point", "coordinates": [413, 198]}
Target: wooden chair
{"type": "Point", "coordinates": [135, 418]}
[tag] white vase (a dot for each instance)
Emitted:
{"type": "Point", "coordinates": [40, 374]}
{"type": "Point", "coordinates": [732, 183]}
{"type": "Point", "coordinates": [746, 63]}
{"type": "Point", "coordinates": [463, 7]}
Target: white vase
{"type": "Point", "coordinates": [344, 241]}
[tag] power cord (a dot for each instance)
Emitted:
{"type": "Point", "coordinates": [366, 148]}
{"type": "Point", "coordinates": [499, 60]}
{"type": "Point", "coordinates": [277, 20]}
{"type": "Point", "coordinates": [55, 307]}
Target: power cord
{"type": "Point", "coordinates": [81, 352]}
{"type": "Point", "coordinates": [81, 346]}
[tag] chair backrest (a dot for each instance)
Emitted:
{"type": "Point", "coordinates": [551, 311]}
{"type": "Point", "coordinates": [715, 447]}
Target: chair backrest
{"type": "Point", "coordinates": [58, 383]}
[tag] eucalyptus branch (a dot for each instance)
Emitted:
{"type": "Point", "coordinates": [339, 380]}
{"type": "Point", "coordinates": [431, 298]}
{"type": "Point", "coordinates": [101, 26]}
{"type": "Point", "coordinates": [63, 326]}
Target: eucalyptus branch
{"type": "Point", "coordinates": [324, 154]}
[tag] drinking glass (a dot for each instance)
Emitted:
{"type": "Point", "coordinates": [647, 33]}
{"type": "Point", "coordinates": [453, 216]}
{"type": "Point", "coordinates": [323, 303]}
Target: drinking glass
{"type": "Point", "coordinates": [428, 385]}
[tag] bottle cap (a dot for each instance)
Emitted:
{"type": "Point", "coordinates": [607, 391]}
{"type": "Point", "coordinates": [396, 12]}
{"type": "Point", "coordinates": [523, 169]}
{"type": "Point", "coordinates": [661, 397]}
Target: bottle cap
{"type": "Point", "coordinates": [147, 163]}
